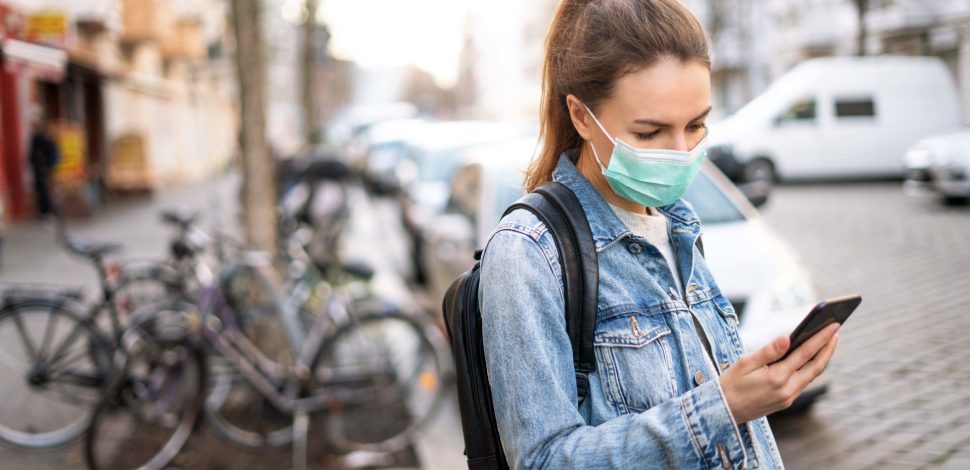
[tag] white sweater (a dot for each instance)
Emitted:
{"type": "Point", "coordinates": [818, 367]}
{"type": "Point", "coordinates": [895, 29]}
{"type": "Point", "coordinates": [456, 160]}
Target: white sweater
{"type": "Point", "coordinates": [653, 227]}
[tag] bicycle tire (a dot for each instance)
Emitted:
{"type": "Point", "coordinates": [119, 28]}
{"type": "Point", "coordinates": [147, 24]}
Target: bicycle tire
{"type": "Point", "coordinates": [240, 415]}
{"type": "Point", "coordinates": [71, 362]}
{"type": "Point", "coordinates": [398, 338]}
{"type": "Point", "coordinates": [156, 389]}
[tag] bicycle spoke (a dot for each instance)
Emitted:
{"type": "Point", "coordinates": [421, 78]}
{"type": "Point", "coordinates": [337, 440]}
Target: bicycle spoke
{"type": "Point", "coordinates": [88, 379]}
{"type": "Point", "coordinates": [68, 342]}
{"type": "Point", "coordinates": [25, 338]}
{"type": "Point", "coordinates": [68, 394]}
{"type": "Point", "coordinates": [48, 333]}
{"type": "Point", "coordinates": [72, 358]}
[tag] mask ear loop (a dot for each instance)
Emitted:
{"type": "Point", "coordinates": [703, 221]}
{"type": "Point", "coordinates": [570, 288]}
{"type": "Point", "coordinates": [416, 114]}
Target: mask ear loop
{"type": "Point", "coordinates": [607, 134]}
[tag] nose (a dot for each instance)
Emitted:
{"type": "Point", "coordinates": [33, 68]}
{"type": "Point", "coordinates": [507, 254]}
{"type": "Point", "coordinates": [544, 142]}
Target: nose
{"type": "Point", "coordinates": [680, 142]}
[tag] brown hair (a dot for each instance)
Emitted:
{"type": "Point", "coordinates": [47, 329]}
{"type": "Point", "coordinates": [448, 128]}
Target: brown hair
{"type": "Point", "coordinates": [591, 44]}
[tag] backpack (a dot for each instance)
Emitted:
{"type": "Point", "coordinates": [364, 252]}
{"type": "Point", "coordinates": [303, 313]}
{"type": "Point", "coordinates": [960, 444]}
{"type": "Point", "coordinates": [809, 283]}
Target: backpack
{"type": "Point", "coordinates": [559, 209]}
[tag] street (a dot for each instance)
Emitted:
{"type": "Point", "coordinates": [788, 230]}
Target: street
{"type": "Point", "coordinates": [901, 375]}
{"type": "Point", "coordinates": [900, 380]}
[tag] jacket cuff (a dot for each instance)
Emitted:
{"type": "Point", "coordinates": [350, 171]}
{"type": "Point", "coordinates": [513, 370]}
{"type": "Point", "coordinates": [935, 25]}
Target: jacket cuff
{"type": "Point", "coordinates": [712, 427]}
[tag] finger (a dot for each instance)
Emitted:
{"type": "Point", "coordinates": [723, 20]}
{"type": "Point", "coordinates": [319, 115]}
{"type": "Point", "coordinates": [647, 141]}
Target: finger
{"type": "Point", "coordinates": [771, 352]}
{"type": "Point", "coordinates": [814, 368]}
{"type": "Point", "coordinates": [809, 349]}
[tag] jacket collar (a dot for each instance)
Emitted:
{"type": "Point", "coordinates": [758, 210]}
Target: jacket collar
{"type": "Point", "coordinates": [606, 227]}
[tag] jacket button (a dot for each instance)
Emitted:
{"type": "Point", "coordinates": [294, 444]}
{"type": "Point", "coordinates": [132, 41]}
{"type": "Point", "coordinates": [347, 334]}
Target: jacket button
{"type": "Point", "coordinates": [635, 248]}
{"type": "Point", "coordinates": [699, 378]}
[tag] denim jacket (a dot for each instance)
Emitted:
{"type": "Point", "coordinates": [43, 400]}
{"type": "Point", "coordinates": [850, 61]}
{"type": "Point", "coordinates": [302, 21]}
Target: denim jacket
{"type": "Point", "coordinates": [654, 401]}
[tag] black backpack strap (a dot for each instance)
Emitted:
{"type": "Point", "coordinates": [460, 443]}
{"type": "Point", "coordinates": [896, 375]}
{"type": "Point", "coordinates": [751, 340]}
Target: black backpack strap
{"type": "Point", "coordinates": [559, 209]}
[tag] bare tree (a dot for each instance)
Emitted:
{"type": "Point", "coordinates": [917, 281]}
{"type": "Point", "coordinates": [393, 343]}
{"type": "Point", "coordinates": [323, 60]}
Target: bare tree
{"type": "Point", "coordinates": [311, 105]}
{"type": "Point", "coordinates": [861, 6]}
{"type": "Point", "coordinates": [259, 191]}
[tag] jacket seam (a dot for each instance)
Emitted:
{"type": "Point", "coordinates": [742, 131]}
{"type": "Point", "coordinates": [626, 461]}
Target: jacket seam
{"type": "Point", "coordinates": [515, 228]}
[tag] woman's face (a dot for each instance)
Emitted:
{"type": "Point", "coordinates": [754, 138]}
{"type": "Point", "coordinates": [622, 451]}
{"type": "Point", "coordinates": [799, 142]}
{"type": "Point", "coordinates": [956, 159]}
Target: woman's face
{"type": "Point", "coordinates": [663, 106]}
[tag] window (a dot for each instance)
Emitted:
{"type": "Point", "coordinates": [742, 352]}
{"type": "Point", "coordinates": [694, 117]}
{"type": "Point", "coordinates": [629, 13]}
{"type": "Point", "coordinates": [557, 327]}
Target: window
{"type": "Point", "coordinates": [710, 202]}
{"type": "Point", "coordinates": [801, 111]}
{"type": "Point", "coordinates": [855, 107]}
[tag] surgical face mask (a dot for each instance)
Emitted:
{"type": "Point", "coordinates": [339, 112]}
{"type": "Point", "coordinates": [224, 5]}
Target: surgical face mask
{"type": "Point", "coordinates": [650, 177]}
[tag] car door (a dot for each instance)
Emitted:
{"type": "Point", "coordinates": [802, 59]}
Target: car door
{"type": "Point", "coordinates": [794, 140]}
{"type": "Point", "coordinates": [852, 140]}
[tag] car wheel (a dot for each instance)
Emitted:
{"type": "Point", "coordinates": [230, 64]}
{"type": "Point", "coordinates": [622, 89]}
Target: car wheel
{"type": "Point", "coordinates": [760, 170]}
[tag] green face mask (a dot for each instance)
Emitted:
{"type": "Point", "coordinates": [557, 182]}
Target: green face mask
{"type": "Point", "coordinates": [650, 177]}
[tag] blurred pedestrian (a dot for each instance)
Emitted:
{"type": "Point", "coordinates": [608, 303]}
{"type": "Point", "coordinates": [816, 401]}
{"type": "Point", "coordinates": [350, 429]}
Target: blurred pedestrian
{"type": "Point", "coordinates": [626, 94]}
{"type": "Point", "coordinates": [43, 155]}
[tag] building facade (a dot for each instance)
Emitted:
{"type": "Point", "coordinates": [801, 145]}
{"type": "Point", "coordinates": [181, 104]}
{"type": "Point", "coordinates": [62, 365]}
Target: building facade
{"type": "Point", "coordinates": [139, 94]}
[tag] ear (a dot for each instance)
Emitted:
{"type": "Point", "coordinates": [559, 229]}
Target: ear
{"type": "Point", "coordinates": [580, 117]}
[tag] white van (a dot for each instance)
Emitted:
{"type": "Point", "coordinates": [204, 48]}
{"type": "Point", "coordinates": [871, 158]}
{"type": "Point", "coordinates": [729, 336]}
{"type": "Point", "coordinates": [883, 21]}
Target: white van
{"type": "Point", "coordinates": [841, 117]}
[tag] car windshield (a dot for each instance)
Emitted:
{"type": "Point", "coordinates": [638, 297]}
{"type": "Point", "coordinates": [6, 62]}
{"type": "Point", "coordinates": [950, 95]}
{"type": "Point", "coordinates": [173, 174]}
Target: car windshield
{"type": "Point", "coordinates": [712, 205]}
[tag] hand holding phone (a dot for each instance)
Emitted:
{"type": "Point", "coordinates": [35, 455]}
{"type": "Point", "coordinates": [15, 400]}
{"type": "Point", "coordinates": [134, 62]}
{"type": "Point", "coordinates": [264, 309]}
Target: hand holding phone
{"type": "Point", "coordinates": [759, 383]}
{"type": "Point", "coordinates": [834, 310]}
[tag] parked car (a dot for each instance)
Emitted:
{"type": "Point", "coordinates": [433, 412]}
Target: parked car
{"type": "Point", "coordinates": [940, 165]}
{"type": "Point", "coordinates": [756, 269]}
{"type": "Point", "coordinates": [842, 117]}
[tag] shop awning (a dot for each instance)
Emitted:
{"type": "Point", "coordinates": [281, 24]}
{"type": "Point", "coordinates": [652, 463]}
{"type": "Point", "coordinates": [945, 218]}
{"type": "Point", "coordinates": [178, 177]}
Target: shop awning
{"type": "Point", "coordinates": [46, 62]}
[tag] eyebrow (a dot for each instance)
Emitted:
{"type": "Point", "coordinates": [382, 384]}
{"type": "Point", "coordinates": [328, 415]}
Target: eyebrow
{"type": "Point", "coordinates": [664, 124]}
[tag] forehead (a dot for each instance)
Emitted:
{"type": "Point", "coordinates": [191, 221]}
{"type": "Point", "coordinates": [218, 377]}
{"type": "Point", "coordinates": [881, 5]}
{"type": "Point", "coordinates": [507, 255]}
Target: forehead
{"type": "Point", "coordinates": [670, 90]}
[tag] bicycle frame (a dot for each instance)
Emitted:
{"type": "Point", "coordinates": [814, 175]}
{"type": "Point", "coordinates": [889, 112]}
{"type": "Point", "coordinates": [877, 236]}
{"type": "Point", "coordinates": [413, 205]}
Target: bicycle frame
{"type": "Point", "coordinates": [221, 331]}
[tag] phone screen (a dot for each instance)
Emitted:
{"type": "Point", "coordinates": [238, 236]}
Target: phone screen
{"type": "Point", "coordinates": [824, 314]}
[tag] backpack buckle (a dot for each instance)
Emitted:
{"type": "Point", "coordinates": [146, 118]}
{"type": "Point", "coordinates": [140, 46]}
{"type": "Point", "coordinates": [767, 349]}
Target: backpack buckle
{"type": "Point", "coordinates": [582, 385]}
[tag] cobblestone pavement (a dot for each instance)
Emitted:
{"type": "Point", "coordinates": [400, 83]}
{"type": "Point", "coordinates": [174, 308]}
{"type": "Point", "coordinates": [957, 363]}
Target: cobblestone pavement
{"type": "Point", "coordinates": [900, 392]}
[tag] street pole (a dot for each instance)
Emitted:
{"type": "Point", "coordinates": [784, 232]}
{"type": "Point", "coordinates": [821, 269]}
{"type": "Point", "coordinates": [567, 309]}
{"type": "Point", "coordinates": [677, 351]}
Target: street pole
{"type": "Point", "coordinates": [861, 7]}
{"type": "Point", "coordinates": [309, 68]}
{"type": "Point", "coordinates": [259, 191]}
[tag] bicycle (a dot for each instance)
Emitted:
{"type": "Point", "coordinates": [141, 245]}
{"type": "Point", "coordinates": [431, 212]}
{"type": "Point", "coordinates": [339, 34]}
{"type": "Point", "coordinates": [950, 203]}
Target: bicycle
{"type": "Point", "coordinates": [57, 347]}
{"type": "Point", "coordinates": [151, 405]}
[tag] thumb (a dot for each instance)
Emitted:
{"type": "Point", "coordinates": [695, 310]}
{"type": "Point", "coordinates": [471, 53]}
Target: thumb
{"type": "Point", "coordinates": [772, 351]}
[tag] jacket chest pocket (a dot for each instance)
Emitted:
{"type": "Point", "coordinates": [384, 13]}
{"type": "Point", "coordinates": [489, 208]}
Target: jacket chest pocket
{"type": "Point", "coordinates": [728, 325]}
{"type": "Point", "coordinates": [634, 359]}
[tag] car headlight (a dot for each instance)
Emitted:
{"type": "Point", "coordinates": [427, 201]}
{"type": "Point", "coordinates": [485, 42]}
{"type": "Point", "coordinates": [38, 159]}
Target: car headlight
{"type": "Point", "coordinates": [793, 288]}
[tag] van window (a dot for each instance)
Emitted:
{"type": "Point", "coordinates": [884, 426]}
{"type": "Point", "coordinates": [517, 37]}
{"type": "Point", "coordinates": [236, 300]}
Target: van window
{"type": "Point", "coordinates": [855, 107]}
{"type": "Point", "coordinates": [800, 111]}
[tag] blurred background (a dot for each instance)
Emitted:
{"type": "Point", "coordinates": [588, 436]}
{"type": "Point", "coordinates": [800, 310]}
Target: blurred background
{"type": "Point", "coordinates": [393, 134]}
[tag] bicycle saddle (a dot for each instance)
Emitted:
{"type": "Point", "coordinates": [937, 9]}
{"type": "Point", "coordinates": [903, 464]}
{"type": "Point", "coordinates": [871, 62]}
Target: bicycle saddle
{"type": "Point", "coordinates": [92, 250]}
{"type": "Point", "coordinates": [181, 217]}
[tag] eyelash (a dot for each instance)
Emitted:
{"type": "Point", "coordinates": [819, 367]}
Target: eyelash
{"type": "Point", "coordinates": [650, 135]}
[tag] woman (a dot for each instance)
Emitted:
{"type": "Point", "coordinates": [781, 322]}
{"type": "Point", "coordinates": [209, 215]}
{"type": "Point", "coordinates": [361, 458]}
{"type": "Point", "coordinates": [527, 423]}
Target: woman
{"type": "Point", "coordinates": [626, 90]}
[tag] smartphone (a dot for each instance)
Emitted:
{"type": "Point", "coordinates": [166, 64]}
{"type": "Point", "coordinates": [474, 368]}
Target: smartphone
{"type": "Point", "coordinates": [834, 310]}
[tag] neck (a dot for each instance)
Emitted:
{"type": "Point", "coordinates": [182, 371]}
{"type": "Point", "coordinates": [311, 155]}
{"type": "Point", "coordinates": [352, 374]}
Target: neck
{"type": "Point", "coordinates": [587, 166]}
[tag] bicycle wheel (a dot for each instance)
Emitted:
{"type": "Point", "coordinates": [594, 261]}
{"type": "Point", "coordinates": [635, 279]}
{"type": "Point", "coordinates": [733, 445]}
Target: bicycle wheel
{"type": "Point", "coordinates": [54, 363]}
{"type": "Point", "coordinates": [239, 414]}
{"type": "Point", "coordinates": [389, 355]}
{"type": "Point", "coordinates": [154, 399]}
